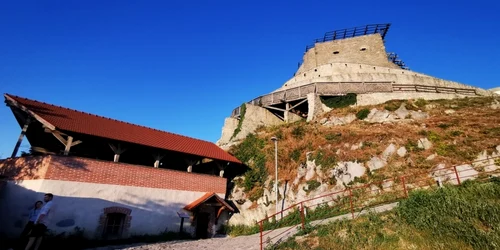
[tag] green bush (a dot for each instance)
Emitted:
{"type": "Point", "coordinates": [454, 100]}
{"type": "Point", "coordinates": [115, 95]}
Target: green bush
{"type": "Point", "coordinates": [339, 101]}
{"type": "Point", "coordinates": [250, 152]}
{"type": "Point", "coordinates": [325, 160]}
{"type": "Point", "coordinates": [362, 114]}
{"type": "Point", "coordinates": [333, 136]}
{"type": "Point", "coordinates": [312, 185]}
{"type": "Point", "coordinates": [240, 121]}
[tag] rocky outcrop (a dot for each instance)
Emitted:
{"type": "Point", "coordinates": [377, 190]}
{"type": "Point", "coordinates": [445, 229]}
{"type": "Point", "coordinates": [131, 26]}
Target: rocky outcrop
{"type": "Point", "coordinates": [253, 118]}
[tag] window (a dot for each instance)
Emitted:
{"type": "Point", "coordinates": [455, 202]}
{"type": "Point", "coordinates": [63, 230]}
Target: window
{"type": "Point", "coordinates": [114, 224]}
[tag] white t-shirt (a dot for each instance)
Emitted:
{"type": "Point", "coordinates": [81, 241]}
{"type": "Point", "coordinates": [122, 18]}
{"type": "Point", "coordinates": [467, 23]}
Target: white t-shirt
{"type": "Point", "coordinates": [47, 210]}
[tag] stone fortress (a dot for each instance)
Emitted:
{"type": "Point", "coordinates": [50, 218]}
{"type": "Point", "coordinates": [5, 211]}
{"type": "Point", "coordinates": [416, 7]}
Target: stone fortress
{"type": "Point", "coordinates": [353, 60]}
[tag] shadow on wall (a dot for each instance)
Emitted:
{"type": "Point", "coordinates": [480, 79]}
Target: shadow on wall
{"type": "Point", "coordinates": [88, 214]}
{"type": "Point", "coordinates": [33, 167]}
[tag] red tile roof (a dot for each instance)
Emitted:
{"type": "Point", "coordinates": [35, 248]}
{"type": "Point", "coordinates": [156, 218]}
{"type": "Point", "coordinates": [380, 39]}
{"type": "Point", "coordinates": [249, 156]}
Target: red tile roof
{"type": "Point", "coordinates": [89, 124]}
{"type": "Point", "coordinates": [204, 198]}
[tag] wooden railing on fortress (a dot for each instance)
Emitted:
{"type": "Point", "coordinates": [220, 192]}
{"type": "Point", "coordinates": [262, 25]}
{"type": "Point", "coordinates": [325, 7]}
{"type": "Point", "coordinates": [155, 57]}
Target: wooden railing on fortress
{"type": "Point", "coordinates": [343, 88]}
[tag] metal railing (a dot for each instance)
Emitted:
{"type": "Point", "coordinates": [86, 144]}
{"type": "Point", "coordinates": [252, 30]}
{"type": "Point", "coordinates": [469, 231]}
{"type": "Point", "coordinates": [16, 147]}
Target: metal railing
{"type": "Point", "coordinates": [343, 88]}
{"type": "Point", "coordinates": [352, 32]}
{"type": "Point", "coordinates": [355, 199]}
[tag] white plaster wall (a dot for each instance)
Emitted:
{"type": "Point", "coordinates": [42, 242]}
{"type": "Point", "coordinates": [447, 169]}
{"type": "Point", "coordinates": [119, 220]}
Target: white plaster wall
{"type": "Point", "coordinates": [153, 210]}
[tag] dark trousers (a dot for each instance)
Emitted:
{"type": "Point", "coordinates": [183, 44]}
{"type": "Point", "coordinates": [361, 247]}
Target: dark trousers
{"type": "Point", "coordinates": [27, 229]}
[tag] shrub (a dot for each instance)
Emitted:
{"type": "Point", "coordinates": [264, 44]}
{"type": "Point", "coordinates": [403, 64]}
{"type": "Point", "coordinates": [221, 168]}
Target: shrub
{"type": "Point", "coordinates": [456, 133]}
{"type": "Point", "coordinates": [325, 160]}
{"type": "Point", "coordinates": [312, 185]}
{"type": "Point", "coordinates": [298, 132]}
{"type": "Point", "coordinates": [333, 136]}
{"type": "Point", "coordinates": [295, 154]}
{"type": "Point", "coordinates": [362, 114]}
{"type": "Point", "coordinates": [250, 152]}
{"type": "Point", "coordinates": [339, 101]}
{"type": "Point", "coordinates": [240, 122]}
{"type": "Point", "coordinates": [421, 103]}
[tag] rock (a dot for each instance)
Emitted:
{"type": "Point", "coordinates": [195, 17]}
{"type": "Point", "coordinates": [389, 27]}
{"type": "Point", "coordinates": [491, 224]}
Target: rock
{"type": "Point", "coordinates": [376, 163]}
{"type": "Point", "coordinates": [431, 157]}
{"type": "Point", "coordinates": [342, 120]}
{"type": "Point", "coordinates": [424, 143]}
{"type": "Point", "coordinates": [346, 171]}
{"type": "Point", "coordinates": [466, 172]}
{"type": "Point", "coordinates": [323, 120]}
{"type": "Point", "coordinates": [301, 172]}
{"type": "Point", "coordinates": [390, 150]}
{"type": "Point", "coordinates": [377, 116]}
{"type": "Point", "coordinates": [418, 115]}
{"type": "Point", "coordinates": [449, 111]}
{"type": "Point", "coordinates": [357, 146]}
{"type": "Point", "coordinates": [402, 112]}
{"type": "Point", "coordinates": [311, 170]}
{"type": "Point", "coordinates": [401, 151]}
{"type": "Point", "coordinates": [495, 105]}
{"type": "Point", "coordinates": [430, 106]}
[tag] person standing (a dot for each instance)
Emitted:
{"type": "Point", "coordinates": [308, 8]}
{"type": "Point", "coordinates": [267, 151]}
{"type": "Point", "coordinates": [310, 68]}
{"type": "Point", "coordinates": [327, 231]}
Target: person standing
{"type": "Point", "coordinates": [33, 215]}
{"type": "Point", "coordinates": [40, 226]}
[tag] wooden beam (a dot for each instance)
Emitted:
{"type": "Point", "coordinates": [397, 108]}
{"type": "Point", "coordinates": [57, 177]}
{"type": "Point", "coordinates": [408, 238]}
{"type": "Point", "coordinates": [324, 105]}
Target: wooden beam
{"type": "Point", "coordinates": [271, 107]}
{"type": "Point", "coordinates": [21, 137]}
{"type": "Point", "coordinates": [13, 103]}
{"type": "Point", "coordinates": [294, 106]}
{"type": "Point", "coordinates": [59, 137]}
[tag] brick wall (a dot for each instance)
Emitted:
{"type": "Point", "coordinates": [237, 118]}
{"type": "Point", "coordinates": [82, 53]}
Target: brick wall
{"type": "Point", "coordinates": [105, 172]}
{"type": "Point", "coordinates": [24, 168]}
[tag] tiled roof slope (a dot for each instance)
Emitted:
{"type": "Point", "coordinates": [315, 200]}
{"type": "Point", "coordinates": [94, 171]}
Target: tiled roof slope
{"type": "Point", "coordinates": [89, 124]}
{"type": "Point", "coordinates": [204, 198]}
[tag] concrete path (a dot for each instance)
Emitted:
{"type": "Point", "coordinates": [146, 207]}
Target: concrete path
{"type": "Point", "coordinates": [248, 242]}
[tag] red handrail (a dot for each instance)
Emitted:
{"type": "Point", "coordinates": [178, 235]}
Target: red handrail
{"type": "Point", "coordinates": [405, 181]}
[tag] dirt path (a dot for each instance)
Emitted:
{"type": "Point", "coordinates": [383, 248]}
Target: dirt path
{"type": "Point", "coordinates": [248, 242]}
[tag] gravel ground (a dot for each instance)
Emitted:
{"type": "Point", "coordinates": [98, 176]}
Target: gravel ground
{"type": "Point", "coordinates": [248, 242]}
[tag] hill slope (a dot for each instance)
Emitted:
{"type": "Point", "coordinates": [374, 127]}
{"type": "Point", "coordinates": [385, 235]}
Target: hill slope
{"type": "Point", "coordinates": [355, 145]}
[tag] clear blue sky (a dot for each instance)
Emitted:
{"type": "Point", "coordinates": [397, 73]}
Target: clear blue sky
{"type": "Point", "coordinates": [182, 66]}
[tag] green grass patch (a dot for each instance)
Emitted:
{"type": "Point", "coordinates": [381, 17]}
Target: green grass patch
{"type": "Point", "coordinates": [339, 101]}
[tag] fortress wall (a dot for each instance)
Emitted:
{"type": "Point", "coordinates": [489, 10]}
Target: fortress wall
{"type": "Point", "coordinates": [349, 51]}
{"type": "Point", "coordinates": [338, 72]}
{"type": "Point", "coordinates": [378, 98]}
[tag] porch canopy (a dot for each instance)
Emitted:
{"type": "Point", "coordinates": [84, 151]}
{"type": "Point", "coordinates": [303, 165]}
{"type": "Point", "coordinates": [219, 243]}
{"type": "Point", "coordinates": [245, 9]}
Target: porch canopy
{"type": "Point", "coordinates": [212, 200]}
{"type": "Point", "coordinates": [52, 129]}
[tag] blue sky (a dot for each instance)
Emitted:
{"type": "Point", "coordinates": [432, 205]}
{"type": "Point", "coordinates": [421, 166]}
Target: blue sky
{"type": "Point", "coordinates": [182, 66]}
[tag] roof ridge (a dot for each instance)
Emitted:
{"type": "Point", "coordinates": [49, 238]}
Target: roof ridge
{"type": "Point", "coordinates": [112, 119]}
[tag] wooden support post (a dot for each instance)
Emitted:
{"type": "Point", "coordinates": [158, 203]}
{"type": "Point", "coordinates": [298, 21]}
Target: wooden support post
{"type": "Point", "coordinates": [21, 137]}
{"type": "Point", "coordinates": [118, 150]}
{"type": "Point", "coordinates": [68, 145]}
{"type": "Point", "coordinates": [158, 158]}
{"type": "Point", "coordinates": [286, 115]}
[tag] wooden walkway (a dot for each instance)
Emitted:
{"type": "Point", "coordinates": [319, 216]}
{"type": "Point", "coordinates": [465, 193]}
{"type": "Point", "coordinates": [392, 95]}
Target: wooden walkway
{"type": "Point", "coordinates": [343, 88]}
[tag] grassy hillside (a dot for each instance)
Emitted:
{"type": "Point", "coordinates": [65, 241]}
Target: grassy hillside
{"type": "Point", "coordinates": [468, 127]}
{"type": "Point", "coordinates": [453, 217]}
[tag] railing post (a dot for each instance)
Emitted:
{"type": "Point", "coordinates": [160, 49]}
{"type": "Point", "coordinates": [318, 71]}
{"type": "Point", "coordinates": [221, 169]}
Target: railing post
{"type": "Point", "coordinates": [404, 186]}
{"type": "Point", "coordinates": [350, 201]}
{"type": "Point", "coordinates": [456, 174]}
{"type": "Point", "coordinates": [261, 226]}
{"type": "Point", "coordinates": [302, 217]}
